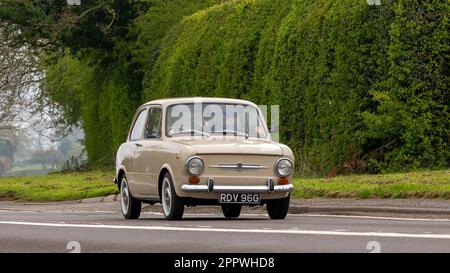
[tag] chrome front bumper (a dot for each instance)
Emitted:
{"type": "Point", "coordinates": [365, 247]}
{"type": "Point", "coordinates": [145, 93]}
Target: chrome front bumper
{"type": "Point", "coordinates": [270, 187]}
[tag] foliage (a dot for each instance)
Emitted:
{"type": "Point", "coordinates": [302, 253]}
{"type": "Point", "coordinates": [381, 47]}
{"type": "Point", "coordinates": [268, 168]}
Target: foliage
{"type": "Point", "coordinates": [409, 126]}
{"type": "Point", "coordinates": [361, 88]}
{"type": "Point", "coordinates": [74, 164]}
{"type": "Point", "coordinates": [95, 59]}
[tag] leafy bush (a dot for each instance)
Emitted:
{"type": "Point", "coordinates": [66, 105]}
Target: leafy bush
{"type": "Point", "coordinates": [102, 87]}
{"type": "Point", "coordinates": [360, 88]}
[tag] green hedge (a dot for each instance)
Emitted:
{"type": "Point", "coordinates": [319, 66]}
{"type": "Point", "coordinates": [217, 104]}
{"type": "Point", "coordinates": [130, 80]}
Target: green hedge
{"type": "Point", "coordinates": [360, 88]}
{"type": "Point", "coordinates": [102, 89]}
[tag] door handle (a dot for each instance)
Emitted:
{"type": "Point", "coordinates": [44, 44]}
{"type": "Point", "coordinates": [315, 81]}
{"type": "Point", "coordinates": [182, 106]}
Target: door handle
{"type": "Point", "coordinates": [138, 144]}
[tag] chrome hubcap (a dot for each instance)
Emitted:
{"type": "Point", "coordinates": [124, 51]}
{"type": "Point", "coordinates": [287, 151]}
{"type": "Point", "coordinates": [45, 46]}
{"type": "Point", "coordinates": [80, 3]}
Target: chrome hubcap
{"type": "Point", "coordinates": [166, 196]}
{"type": "Point", "coordinates": [124, 196]}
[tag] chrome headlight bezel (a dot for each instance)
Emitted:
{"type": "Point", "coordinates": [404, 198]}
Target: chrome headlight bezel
{"type": "Point", "coordinates": [191, 160]}
{"type": "Point", "coordinates": [278, 164]}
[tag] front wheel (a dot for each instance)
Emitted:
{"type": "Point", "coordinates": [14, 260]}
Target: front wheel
{"type": "Point", "coordinates": [131, 207]}
{"type": "Point", "coordinates": [173, 206]}
{"type": "Point", "coordinates": [278, 208]}
{"type": "Point", "coordinates": [231, 210]}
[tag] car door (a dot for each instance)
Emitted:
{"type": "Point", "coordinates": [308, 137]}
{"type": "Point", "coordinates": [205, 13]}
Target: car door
{"type": "Point", "coordinates": [134, 142]}
{"type": "Point", "coordinates": [148, 156]}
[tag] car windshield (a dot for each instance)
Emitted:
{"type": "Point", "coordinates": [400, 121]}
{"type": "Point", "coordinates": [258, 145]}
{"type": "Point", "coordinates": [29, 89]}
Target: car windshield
{"type": "Point", "coordinates": [214, 119]}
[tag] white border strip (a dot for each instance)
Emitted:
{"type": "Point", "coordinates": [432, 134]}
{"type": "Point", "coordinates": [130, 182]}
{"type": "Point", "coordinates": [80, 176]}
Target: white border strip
{"type": "Point", "coordinates": [236, 230]}
{"type": "Point", "coordinates": [375, 217]}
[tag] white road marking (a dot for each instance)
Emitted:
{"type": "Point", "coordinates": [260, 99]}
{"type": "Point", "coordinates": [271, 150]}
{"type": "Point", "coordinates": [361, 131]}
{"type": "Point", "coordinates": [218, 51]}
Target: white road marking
{"type": "Point", "coordinates": [237, 230]}
{"type": "Point", "coordinates": [374, 217]}
{"type": "Point", "coordinates": [60, 211]}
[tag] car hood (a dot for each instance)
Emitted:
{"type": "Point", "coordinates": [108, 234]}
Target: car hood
{"type": "Point", "coordinates": [235, 146]}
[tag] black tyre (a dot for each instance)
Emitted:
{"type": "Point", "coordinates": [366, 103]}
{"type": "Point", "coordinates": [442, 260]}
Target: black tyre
{"type": "Point", "coordinates": [231, 210]}
{"type": "Point", "coordinates": [278, 208]}
{"type": "Point", "coordinates": [173, 206]}
{"type": "Point", "coordinates": [131, 207]}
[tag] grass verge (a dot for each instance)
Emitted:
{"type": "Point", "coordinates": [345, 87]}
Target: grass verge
{"type": "Point", "coordinates": [57, 186]}
{"type": "Point", "coordinates": [74, 186]}
{"type": "Point", "coordinates": [421, 184]}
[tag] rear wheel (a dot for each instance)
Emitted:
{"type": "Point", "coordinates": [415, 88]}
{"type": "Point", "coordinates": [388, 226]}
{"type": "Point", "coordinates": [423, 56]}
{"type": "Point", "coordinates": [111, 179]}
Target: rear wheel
{"type": "Point", "coordinates": [278, 208]}
{"type": "Point", "coordinates": [231, 210]}
{"type": "Point", "coordinates": [131, 207]}
{"type": "Point", "coordinates": [173, 206]}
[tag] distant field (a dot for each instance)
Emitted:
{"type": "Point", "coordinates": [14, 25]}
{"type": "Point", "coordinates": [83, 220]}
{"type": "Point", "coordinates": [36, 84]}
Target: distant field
{"type": "Point", "coordinates": [74, 186]}
{"type": "Point", "coordinates": [28, 170]}
{"type": "Point", "coordinates": [57, 186]}
{"type": "Point", "coordinates": [423, 184]}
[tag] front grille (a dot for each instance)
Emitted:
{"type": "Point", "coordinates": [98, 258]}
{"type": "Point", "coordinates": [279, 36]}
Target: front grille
{"type": "Point", "coordinates": [239, 166]}
{"type": "Point", "coordinates": [242, 165]}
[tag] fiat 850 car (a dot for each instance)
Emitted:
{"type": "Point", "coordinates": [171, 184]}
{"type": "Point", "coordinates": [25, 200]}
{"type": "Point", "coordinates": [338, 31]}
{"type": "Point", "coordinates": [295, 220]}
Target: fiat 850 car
{"type": "Point", "coordinates": [202, 151]}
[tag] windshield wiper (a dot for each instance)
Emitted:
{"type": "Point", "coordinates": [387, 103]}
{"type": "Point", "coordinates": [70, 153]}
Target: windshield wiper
{"type": "Point", "coordinates": [190, 132]}
{"type": "Point", "coordinates": [231, 132]}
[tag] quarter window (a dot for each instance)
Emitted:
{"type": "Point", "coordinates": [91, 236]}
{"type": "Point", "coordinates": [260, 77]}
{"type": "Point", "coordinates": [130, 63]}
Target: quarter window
{"type": "Point", "coordinates": [136, 132]}
{"type": "Point", "coordinates": [153, 129]}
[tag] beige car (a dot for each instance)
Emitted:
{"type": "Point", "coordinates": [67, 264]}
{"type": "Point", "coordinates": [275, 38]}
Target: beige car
{"type": "Point", "coordinates": [202, 151]}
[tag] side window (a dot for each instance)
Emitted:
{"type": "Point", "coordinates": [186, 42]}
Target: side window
{"type": "Point", "coordinates": [153, 129]}
{"type": "Point", "coordinates": [136, 132]}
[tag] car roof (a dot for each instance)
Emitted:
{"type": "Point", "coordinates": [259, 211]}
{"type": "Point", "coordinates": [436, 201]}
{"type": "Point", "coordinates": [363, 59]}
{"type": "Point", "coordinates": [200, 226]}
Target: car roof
{"type": "Point", "coordinates": [170, 101]}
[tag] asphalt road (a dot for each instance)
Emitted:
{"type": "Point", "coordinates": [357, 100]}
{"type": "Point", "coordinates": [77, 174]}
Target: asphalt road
{"type": "Point", "coordinates": [98, 229]}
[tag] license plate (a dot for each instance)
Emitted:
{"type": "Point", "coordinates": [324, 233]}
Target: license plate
{"type": "Point", "coordinates": [239, 198]}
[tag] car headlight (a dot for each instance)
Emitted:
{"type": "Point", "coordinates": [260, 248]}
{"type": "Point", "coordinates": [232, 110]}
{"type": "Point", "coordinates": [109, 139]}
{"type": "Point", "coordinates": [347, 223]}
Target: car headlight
{"type": "Point", "coordinates": [284, 167]}
{"type": "Point", "coordinates": [194, 165]}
